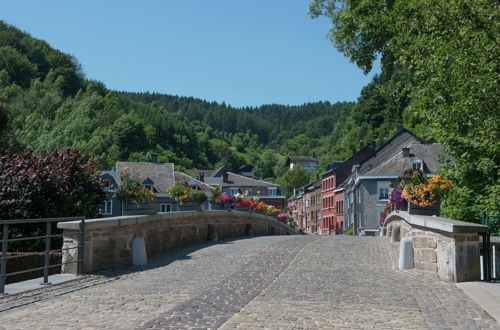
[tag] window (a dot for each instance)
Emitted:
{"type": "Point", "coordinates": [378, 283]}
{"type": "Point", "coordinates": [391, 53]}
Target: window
{"type": "Point", "coordinates": [383, 190]}
{"type": "Point", "coordinates": [416, 164]}
{"type": "Point", "coordinates": [272, 191]}
{"type": "Point", "coordinates": [234, 190]}
{"type": "Point", "coordinates": [106, 208]}
{"type": "Point", "coordinates": [164, 208]}
{"type": "Point", "coordinates": [106, 183]}
{"type": "Point", "coordinates": [148, 187]}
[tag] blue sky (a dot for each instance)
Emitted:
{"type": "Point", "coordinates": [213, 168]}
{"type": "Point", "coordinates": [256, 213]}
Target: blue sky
{"type": "Point", "coordinates": [242, 52]}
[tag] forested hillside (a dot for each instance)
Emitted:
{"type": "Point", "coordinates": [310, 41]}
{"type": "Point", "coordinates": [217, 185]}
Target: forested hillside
{"type": "Point", "coordinates": [46, 102]}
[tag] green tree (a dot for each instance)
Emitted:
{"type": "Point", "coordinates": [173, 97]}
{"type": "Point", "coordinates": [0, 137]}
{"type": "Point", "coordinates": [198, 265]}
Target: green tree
{"type": "Point", "coordinates": [451, 50]}
{"type": "Point", "coordinates": [294, 178]}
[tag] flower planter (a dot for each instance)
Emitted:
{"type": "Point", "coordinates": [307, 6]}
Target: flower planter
{"type": "Point", "coordinates": [226, 207]}
{"type": "Point", "coordinates": [244, 209]}
{"type": "Point", "coordinates": [190, 206]}
{"type": "Point", "coordinates": [424, 210]}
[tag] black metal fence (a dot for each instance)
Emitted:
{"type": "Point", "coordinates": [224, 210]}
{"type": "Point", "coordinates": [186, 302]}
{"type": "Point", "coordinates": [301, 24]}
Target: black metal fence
{"type": "Point", "coordinates": [488, 250]}
{"type": "Point", "coordinates": [6, 225]}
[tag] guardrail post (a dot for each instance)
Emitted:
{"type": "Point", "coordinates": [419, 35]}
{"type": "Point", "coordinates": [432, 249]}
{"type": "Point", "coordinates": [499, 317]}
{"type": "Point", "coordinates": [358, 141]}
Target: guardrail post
{"type": "Point", "coordinates": [81, 242]}
{"type": "Point", "coordinates": [3, 261]}
{"type": "Point", "coordinates": [47, 254]}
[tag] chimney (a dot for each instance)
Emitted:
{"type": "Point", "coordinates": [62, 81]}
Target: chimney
{"type": "Point", "coordinates": [225, 177]}
{"type": "Point", "coordinates": [361, 145]}
{"type": "Point", "coordinates": [374, 145]}
{"type": "Point", "coordinates": [154, 158]}
{"type": "Point", "coordinates": [399, 128]}
{"type": "Point", "coordinates": [201, 177]}
{"type": "Point", "coordinates": [353, 152]}
{"type": "Point", "coordinates": [406, 152]}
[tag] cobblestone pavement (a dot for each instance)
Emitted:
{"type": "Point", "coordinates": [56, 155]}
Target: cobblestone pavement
{"type": "Point", "coordinates": [264, 282]}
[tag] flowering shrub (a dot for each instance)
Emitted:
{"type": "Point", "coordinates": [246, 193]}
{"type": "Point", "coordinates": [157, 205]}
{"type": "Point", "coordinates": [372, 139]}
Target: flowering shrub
{"type": "Point", "coordinates": [425, 192]}
{"type": "Point", "coordinates": [179, 192]}
{"type": "Point", "coordinates": [387, 209]}
{"type": "Point", "coordinates": [225, 199]}
{"type": "Point", "coordinates": [283, 217]}
{"type": "Point", "coordinates": [256, 205]}
{"type": "Point", "coordinates": [396, 197]}
{"type": "Point", "coordinates": [183, 193]}
{"type": "Point", "coordinates": [131, 189]}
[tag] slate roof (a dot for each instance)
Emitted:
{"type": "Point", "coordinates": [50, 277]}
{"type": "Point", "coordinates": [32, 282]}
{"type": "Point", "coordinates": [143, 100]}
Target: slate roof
{"type": "Point", "coordinates": [196, 172]}
{"type": "Point", "coordinates": [236, 180]}
{"type": "Point", "coordinates": [432, 155]}
{"type": "Point", "coordinates": [302, 159]}
{"type": "Point", "coordinates": [183, 178]}
{"type": "Point", "coordinates": [161, 174]}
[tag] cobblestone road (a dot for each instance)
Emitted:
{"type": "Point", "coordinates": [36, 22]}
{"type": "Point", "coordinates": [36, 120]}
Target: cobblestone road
{"type": "Point", "coordinates": [265, 282]}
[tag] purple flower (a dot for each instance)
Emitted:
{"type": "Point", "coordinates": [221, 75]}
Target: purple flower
{"type": "Point", "coordinates": [395, 197]}
{"type": "Point", "coordinates": [225, 198]}
{"type": "Point", "coordinates": [282, 216]}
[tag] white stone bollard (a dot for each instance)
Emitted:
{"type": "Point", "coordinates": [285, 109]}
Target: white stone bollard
{"type": "Point", "coordinates": [406, 253]}
{"type": "Point", "coordinates": [139, 257]}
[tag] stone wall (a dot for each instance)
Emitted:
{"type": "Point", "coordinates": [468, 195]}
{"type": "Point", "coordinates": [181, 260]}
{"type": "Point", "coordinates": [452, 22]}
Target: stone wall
{"type": "Point", "coordinates": [450, 249]}
{"type": "Point", "coordinates": [108, 241]}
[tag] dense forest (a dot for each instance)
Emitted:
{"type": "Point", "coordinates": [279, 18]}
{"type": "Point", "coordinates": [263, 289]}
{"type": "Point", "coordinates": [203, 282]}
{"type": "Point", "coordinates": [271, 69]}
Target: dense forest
{"type": "Point", "coordinates": [47, 103]}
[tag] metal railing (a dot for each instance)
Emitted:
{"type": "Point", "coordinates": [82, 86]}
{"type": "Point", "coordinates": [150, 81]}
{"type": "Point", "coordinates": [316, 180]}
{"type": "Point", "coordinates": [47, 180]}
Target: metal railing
{"type": "Point", "coordinates": [488, 257]}
{"type": "Point", "coordinates": [4, 257]}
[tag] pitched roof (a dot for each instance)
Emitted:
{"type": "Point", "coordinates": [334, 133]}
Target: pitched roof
{"type": "Point", "coordinates": [432, 155]}
{"type": "Point", "coordinates": [303, 158]}
{"type": "Point", "coordinates": [183, 178]}
{"type": "Point", "coordinates": [161, 174]}
{"type": "Point", "coordinates": [236, 180]}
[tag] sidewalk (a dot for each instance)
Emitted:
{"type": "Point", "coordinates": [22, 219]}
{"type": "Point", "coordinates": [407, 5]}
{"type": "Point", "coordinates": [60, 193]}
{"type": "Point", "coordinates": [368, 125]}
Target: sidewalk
{"type": "Point", "coordinates": [486, 294]}
{"type": "Point", "coordinates": [34, 284]}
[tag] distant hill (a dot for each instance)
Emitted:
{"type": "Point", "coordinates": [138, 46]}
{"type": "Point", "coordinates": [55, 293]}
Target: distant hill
{"type": "Point", "coordinates": [47, 103]}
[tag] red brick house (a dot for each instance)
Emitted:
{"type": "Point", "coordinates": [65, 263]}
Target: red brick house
{"type": "Point", "coordinates": [332, 193]}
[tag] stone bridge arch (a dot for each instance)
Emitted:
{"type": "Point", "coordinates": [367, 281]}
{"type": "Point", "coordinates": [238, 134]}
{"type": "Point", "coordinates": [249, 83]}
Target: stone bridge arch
{"type": "Point", "coordinates": [108, 241]}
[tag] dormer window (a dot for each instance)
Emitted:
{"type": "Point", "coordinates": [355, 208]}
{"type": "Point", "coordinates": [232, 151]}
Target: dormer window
{"type": "Point", "coordinates": [417, 164]}
{"type": "Point", "coordinates": [272, 191]}
{"type": "Point", "coordinates": [106, 183]}
{"type": "Point", "coordinates": [148, 187]}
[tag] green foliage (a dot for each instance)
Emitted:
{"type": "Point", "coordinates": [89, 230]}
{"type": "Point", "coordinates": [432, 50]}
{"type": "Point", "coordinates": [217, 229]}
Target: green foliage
{"type": "Point", "coordinates": [294, 178]}
{"type": "Point", "coordinates": [450, 50]}
{"type": "Point", "coordinates": [183, 193]}
{"type": "Point", "coordinates": [214, 194]}
{"type": "Point", "coordinates": [349, 231]}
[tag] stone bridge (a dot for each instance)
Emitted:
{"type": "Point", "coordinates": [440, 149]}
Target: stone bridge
{"type": "Point", "coordinates": [253, 282]}
{"type": "Point", "coordinates": [109, 242]}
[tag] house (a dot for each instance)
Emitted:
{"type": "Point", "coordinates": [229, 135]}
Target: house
{"type": "Point", "coordinates": [312, 207]}
{"type": "Point", "coordinates": [366, 190]}
{"type": "Point", "coordinates": [232, 183]}
{"type": "Point", "coordinates": [309, 163]}
{"type": "Point", "coordinates": [155, 177]}
{"type": "Point", "coordinates": [332, 190]}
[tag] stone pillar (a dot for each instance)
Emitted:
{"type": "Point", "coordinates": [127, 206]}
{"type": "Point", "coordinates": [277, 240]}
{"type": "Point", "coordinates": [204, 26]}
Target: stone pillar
{"type": "Point", "coordinates": [71, 239]}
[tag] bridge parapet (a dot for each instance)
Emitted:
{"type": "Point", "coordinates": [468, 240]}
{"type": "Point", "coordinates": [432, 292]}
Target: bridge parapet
{"type": "Point", "coordinates": [449, 248]}
{"type": "Point", "coordinates": [108, 241]}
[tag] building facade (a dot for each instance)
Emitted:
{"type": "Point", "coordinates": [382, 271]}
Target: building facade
{"type": "Point", "coordinates": [153, 176]}
{"type": "Point", "coordinates": [370, 183]}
